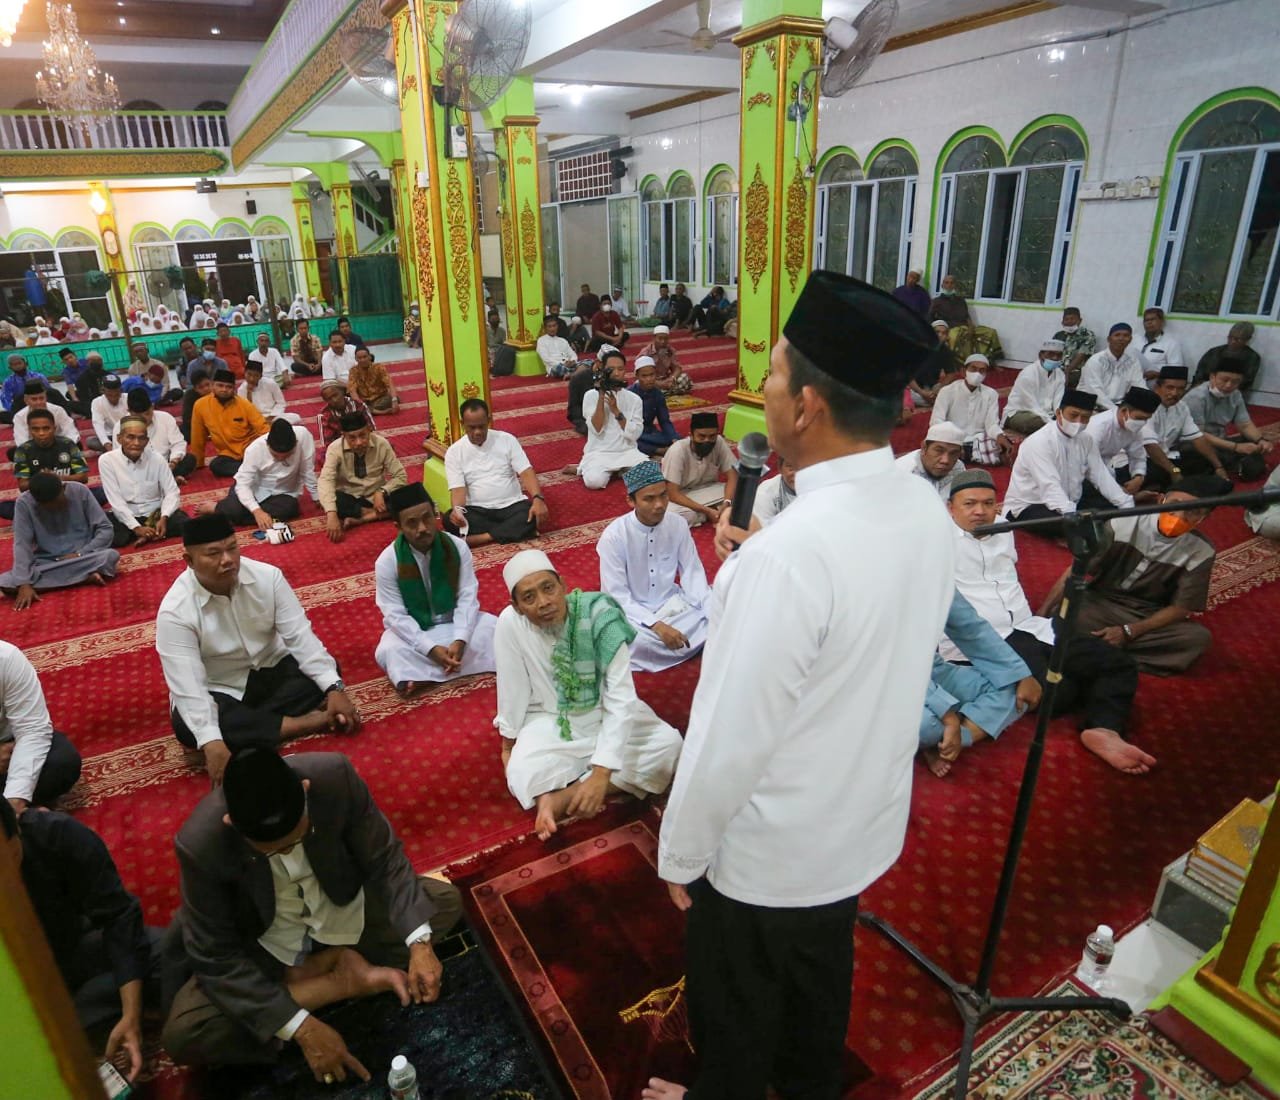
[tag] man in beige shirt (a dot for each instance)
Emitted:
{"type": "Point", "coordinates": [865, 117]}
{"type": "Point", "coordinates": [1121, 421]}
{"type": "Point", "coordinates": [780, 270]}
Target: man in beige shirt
{"type": "Point", "coordinates": [359, 470]}
{"type": "Point", "coordinates": [693, 468]}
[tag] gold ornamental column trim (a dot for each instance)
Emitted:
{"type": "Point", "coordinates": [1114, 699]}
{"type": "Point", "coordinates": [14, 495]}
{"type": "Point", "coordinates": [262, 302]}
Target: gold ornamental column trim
{"type": "Point", "coordinates": [780, 25]}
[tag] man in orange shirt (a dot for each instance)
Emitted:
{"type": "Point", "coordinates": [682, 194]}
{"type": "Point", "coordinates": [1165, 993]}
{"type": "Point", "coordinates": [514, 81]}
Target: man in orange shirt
{"type": "Point", "coordinates": [231, 351]}
{"type": "Point", "coordinates": [230, 422]}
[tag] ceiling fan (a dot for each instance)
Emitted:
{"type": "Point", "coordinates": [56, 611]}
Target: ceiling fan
{"type": "Point", "coordinates": [704, 38]}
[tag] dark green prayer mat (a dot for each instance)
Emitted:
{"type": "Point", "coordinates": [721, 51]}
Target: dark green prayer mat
{"type": "Point", "coordinates": [469, 1045]}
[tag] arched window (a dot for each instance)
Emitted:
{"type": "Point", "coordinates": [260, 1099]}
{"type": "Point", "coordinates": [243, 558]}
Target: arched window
{"type": "Point", "coordinates": [668, 229]}
{"type": "Point", "coordinates": [230, 230]}
{"type": "Point", "coordinates": [1005, 228]}
{"type": "Point", "coordinates": [76, 238]}
{"type": "Point", "coordinates": [1217, 249]}
{"type": "Point", "coordinates": [721, 227]}
{"type": "Point", "coordinates": [193, 231]}
{"type": "Point", "coordinates": [864, 223]}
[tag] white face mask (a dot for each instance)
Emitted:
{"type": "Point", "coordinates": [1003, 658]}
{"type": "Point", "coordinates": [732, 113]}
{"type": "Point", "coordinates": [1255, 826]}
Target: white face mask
{"type": "Point", "coordinates": [1070, 328]}
{"type": "Point", "coordinates": [974, 377]}
{"type": "Point", "coordinates": [607, 307]}
{"type": "Point", "coordinates": [1070, 428]}
{"type": "Point", "coordinates": [1051, 364]}
{"type": "Point", "coordinates": [1134, 426]}
{"type": "Point", "coordinates": [1215, 391]}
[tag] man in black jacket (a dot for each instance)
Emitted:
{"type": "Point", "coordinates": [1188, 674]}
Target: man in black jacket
{"type": "Point", "coordinates": [296, 894]}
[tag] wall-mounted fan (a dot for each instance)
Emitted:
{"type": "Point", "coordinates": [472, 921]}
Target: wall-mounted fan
{"type": "Point", "coordinates": [850, 48]}
{"type": "Point", "coordinates": [368, 55]}
{"type": "Point", "coordinates": [484, 45]}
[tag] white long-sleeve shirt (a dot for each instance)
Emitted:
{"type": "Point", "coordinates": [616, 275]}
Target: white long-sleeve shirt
{"type": "Point", "coordinates": [644, 567]}
{"type": "Point", "coordinates": [211, 643]}
{"type": "Point", "coordinates": [974, 411]}
{"type": "Point", "coordinates": [1117, 446]}
{"type": "Point", "coordinates": [337, 366]}
{"type": "Point", "coordinates": [262, 475]}
{"type": "Point", "coordinates": [267, 398]}
{"type": "Point", "coordinates": [106, 416]}
{"type": "Point", "coordinates": [273, 363]}
{"type": "Point", "coordinates": [1109, 378]}
{"type": "Point", "coordinates": [163, 435]}
{"type": "Point", "coordinates": [1051, 469]}
{"type": "Point", "coordinates": [404, 626]}
{"type": "Point", "coordinates": [1036, 391]}
{"type": "Point", "coordinates": [613, 437]}
{"type": "Point", "coordinates": [24, 720]}
{"type": "Point", "coordinates": [554, 350]}
{"type": "Point", "coordinates": [794, 785]}
{"type": "Point", "coordinates": [63, 425]}
{"type": "Point", "coordinates": [138, 488]}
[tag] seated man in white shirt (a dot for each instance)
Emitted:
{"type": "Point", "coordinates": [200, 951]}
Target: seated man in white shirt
{"type": "Point", "coordinates": [614, 419]}
{"type": "Point", "coordinates": [433, 628]}
{"type": "Point", "coordinates": [1059, 469]}
{"type": "Point", "coordinates": [266, 396]}
{"type": "Point", "coordinates": [163, 435]}
{"type": "Point", "coordinates": [974, 408]}
{"type": "Point", "coordinates": [775, 493]}
{"type": "Point", "coordinates": [106, 411]}
{"type": "Point", "coordinates": [1174, 443]}
{"type": "Point", "coordinates": [277, 468]}
{"type": "Point", "coordinates": [36, 397]}
{"type": "Point", "coordinates": [274, 367]}
{"type": "Point", "coordinates": [37, 763]}
{"type": "Point", "coordinates": [694, 467]}
{"type": "Point", "coordinates": [1158, 349]}
{"type": "Point", "coordinates": [1099, 680]}
{"type": "Point", "coordinates": [1109, 373]}
{"type": "Point", "coordinates": [648, 563]}
{"type": "Point", "coordinates": [554, 350]}
{"type": "Point", "coordinates": [241, 661]}
{"type": "Point", "coordinates": [489, 476]}
{"type": "Point", "coordinates": [938, 460]}
{"type": "Point", "coordinates": [144, 498]}
{"type": "Point", "coordinates": [296, 894]}
{"type": "Point", "coordinates": [338, 358]}
{"type": "Point", "coordinates": [1037, 391]}
{"type": "Point", "coordinates": [572, 725]}
{"type": "Point", "coordinates": [1119, 432]}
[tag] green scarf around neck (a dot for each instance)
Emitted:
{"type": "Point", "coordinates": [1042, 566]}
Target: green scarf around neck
{"type": "Point", "coordinates": [594, 629]}
{"type": "Point", "coordinates": [429, 609]}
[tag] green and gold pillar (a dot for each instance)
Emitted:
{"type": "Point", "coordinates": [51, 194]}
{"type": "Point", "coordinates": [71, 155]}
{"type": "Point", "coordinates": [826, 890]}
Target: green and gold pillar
{"type": "Point", "coordinates": [402, 202]}
{"type": "Point", "coordinates": [344, 228]}
{"type": "Point", "coordinates": [775, 220]}
{"type": "Point", "coordinates": [515, 131]}
{"type": "Point", "coordinates": [306, 240]}
{"type": "Point", "coordinates": [443, 219]}
{"type": "Point", "coordinates": [104, 209]}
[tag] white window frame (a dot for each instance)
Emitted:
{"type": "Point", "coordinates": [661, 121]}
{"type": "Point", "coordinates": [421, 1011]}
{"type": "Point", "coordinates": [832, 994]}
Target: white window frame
{"type": "Point", "coordinates": [709, 232]}
{"type": "Point", "coordinates": [667, 265]}
{"type": "Point", "coordinates": [905, 229]}
{"type": "Point", "coordinates": [1180, 198]}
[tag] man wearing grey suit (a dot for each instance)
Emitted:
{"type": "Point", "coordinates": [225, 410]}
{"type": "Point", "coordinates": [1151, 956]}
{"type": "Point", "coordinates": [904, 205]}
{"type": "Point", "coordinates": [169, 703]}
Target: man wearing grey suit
{"type": "Point", "coordinates": [296, 894]}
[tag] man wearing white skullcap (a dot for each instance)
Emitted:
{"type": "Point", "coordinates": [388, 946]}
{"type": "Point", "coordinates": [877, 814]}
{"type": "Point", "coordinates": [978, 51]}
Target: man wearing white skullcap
{"type": "Point", "coordinates": [938, 461]}
{"type": "Point", "coordinates": [1036, 394]}
{"type": "Point", "coordinates": [974, 407]}
{"type": "Point", "coordinates": [572, 726]}
{"type": "Point", "coordinates": [670, 376]}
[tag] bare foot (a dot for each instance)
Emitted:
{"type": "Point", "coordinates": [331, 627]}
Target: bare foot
{"type": "Point", "coordinates": [934, 762]}
{"type": "Point", "coordinates": [360, 978]}
{"type": "Point", "coordinates": [205, 509]}
{"type": "Point", "coordinates": [351, 522]}
{"type": "Point", "coordinates": [544, 820]}
{"type": "Point", "coordinates": [98, 579]}
{"type": "Point", "coordinates": [658, 1089]}
{"type": "Point", "coordinates": [406, 688]}
{"type": "Point", "coordinates": [1116, 751]}
{"type": "Point", "coordinates": [479, 540]}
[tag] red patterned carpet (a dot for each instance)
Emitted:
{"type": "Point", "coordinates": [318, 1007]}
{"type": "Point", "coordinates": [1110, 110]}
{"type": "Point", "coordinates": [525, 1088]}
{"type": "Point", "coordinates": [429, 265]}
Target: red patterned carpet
{"type": "Point", "coordinates": [1097, 840]}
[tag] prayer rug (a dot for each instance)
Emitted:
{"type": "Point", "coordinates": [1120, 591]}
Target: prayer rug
{"type": "Point", "coordinates": [685, 401]}
{"type": "Point", "coordinates": [1086, 1054]}
{"type": "Point", "coordinates": [607, 997]}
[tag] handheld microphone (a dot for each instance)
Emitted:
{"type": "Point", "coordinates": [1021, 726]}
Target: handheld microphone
{"type": "Point", "coordinates": [753, 452]}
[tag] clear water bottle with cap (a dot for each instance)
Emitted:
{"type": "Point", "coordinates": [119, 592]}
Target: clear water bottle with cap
{"type": "Point", "coordinates": [402, 1081]}
{"type": "Point", "coordinates": [1099, 949]}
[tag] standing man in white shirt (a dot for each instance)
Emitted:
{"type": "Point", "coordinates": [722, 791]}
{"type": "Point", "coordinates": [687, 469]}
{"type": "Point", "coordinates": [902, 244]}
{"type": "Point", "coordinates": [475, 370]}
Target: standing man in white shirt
{"type": "Point", "coordinates": [649, 564]}
{"type": "Point", "coordinates": [241, 661]}
{"type": "Point", "coordinates": [1109, 373]}
{"type": "Point", "coordinates": [163, 435]}
{"type": "Point", "coordinates": [37, 763]}
{"type": "Point", "coordinates": [1118, 434]}
{"type": "Point", "coordinates": [1158, 349]}
{"type": "Point", "coordinates": [794, 788]}
{"type": "Point", "coordinates": [1037, 391]}
{"type": "Point", "coordinates": [974, 407]}
{"type": "Point", "coordinates": [433, 628]}
{"type": "Point", "coordinates": [274, 367]}
{"type": "Point", "coordinates": [338, 359]}
{"type": "Point", "coordinates": [615, 418]}
{"type": "Point", "coordinates": [277, 469]}
{"type": "Point", "coordinates": [489, 476]}
{"type": "Point", "coordinates": [144, 498]}
{"type": "Point", "coordinates": [106, 411]}
{"type": "Point", "coordinates": [267, 397]}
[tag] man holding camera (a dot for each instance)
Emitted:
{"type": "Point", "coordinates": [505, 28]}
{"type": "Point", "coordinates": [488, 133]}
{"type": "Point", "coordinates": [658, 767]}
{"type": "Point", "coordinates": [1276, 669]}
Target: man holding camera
{"type": "Point", "coordinates": [615, 419]}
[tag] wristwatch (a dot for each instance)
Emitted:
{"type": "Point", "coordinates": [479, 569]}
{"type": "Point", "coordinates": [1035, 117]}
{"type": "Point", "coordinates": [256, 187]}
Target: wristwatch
{"type": "Point", "coordinates": [1127, 632]}
{"type": "Point", "coordinates": [538, 496]}
{"type": "Point", "coordinates": [337, 685]}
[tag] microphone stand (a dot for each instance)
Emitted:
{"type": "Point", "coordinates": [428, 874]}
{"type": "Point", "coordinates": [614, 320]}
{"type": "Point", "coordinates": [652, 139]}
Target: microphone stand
{"type": "Point", "coordinates": [975, 1003]}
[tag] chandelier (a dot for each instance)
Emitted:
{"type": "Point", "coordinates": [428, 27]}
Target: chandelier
{"type": "Point", "coordinates": [10, 10]}
{"type": "Point", "coordinates": [71, 84]}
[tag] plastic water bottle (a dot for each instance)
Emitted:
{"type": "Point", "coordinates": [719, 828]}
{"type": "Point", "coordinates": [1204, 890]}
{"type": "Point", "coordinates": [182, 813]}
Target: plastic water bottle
{"type": "Point", "coordinates": [402, 1081]}
{"type": "Point", "coordinates": [1099, 949]}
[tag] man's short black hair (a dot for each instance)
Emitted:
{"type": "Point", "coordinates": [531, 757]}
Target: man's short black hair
{"type": "Point", "coordinates": [197, 376]}
{"type": "Point", "coordinates": [303, 321]}
{"type": "Point", "coordinates": [8, 819]}
{"type": "Point", "coordinates": [866, 419]}
{"type": "Point", "coordinates": [67, 351]}
{"type": "Point", "coordinates": [614, 353]}
{"type": "Point", "coordinates": [39, 414]}
{"type": "Point", "coordinates": [252, 365]}
{"type": "Point", "coordinates": [473, 403]}
{"type": "Point", "coordinates": [1070, 309]}
{"type": "Point", "coordinates": [344, 320]}
{"type": "Point", "coordinates": [45, 487]}
{"type": "Point", "coordinates": [186, 340]}
{"type": "Point", "coordinates": [208, 342]}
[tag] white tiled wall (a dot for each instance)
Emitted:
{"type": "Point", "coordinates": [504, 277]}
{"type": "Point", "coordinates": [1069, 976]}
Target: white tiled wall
{"type": "Point", "coordinates": [1129, 83]}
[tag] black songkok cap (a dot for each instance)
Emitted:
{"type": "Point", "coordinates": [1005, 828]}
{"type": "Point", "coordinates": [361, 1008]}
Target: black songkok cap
{"type": "Point", "coordinates": [1202, 485]}
{"type": "Point", "coordinates": [205, 529]}
{"type": "Point", "coordinates": [223, 375]}
{"type": "Point", "coordinates": [265, 799]}
{"type": "Point", "coordinates": [1079, 399]}
{"type": "Point", "coordinates": [703, 420]}
{"type": "Point", "coordinates": [408, 496]}
{"type": "Point", "coordinates": [281, 436]}
{"type": "Point", "coordinates": [138, 400]}
{"type": "Point", "coordinates": [111, 382]}
{"type": "Point", "coordinates": [1177, 374]}
{"type": "Point", "coordinates": [1142, 399]}
{"type": "Point", "coordinates": [352, 421]}
{"type": "Point", "coordinates": [858, 334]}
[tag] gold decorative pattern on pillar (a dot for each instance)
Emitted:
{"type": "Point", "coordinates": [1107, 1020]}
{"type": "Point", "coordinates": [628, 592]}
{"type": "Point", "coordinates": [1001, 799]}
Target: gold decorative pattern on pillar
{"type": "Point", "coordinates": [422, 238]}
{"type": "Point", "coordinates": [797, 203]}
{"type": "Point", "coordinates": [528, 237]}
{"type": "Point", "coordinates": [459, 240]}
{"type": "Point", "coordinates": [760, 99]}
{"type": "Point", "coordinates": [470, 390]}
{"type": "Point", "coordinates": [756, 252]}
{"type": "Point", "coordinates": [754, 347]}
{"type": "Point", "coordinates": [508, 243]}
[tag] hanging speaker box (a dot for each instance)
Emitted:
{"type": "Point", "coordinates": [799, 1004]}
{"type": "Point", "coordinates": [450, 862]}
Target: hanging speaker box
{"type": "Point", "coordinates": [251, 207]}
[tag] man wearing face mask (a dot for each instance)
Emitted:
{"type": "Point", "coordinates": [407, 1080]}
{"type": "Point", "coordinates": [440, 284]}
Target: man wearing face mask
{"type": "Point", "coordinates": [607, 325]}
{"type": "Point", "coordinates": [1109, 373]}
{"type": "Point", "coordinates": [974, 408]}
{"type": "Point", "coordinates": [1118, 433]}
{"type": "Point", "coordinates": [1217, 404]}
{"type": "Point", "coordinates": [693, 468]}
{"type": "Point", "coordinates": [1078, 344]}
{"type": "Point", "coordinates": [1150, 575]}
{"type": "Point", "coordinates": [1037, 392]}
{"type": "Point", "coordinates": [1060, 470]}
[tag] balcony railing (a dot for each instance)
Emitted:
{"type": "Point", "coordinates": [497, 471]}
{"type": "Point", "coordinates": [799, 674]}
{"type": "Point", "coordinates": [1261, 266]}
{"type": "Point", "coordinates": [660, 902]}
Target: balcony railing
{"type": "Point", "coordinates": [43, 130]}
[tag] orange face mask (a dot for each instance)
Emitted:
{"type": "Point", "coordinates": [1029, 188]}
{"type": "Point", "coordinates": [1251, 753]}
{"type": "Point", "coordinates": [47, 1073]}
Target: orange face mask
{"type": "Point", "coordinates": [1173, 524]}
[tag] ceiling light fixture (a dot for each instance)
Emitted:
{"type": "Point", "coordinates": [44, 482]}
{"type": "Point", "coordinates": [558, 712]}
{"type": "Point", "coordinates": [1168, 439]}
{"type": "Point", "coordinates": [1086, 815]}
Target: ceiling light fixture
{"type": "Point", "coordinates": [97, 203]}
{"type": "Point", "coordinates": [71, 85]}
{"type": "Point", "coordinates": [10, 10]}
{"type": "Point", "coordinates": [215, 30]}
{"type": "Point", "coordinates": [1057, 54]}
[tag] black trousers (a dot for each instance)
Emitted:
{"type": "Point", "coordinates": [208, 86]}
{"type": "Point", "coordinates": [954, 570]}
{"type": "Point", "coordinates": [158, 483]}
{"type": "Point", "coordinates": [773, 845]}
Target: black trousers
{"type": "Point", "coordinates": [282, 506]}
{"type": "Point", "coordinates": [224, 466]}
{"type": "Point", "coordinates": [350, 507]}
{"type": "Point", "coordinates": [1098, 679]}
{"type": "Point", "coordinates": [768, 993]}
{"type": "Point", "coordinates": [1090, 497]}
{"type": "Point", "coordinates": [124, 536]}
{"type": "Point", "coordinates": [186, 465]}
{"type": "Point", "coordinates": [270, 695]}
{"type": "Point", "coordinates": [93, 986]}
{"type": "Point", "coordinates": [59, 772]}
{"type": "Point", "coordinates": [509, 524]}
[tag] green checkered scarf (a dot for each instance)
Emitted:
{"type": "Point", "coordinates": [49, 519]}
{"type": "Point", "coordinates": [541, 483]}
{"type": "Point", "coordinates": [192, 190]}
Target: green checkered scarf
{"type": "Point", "coordinates": [593, 631]}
